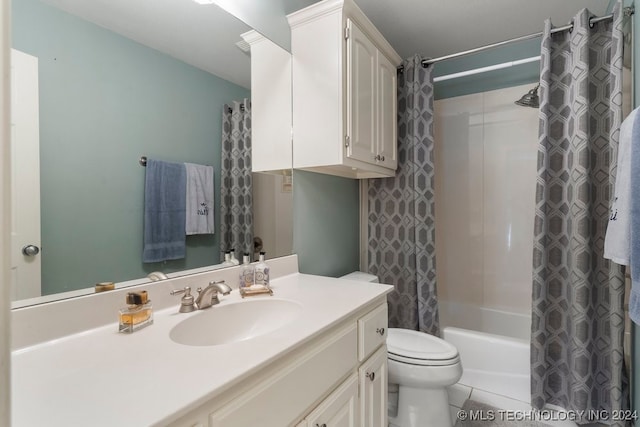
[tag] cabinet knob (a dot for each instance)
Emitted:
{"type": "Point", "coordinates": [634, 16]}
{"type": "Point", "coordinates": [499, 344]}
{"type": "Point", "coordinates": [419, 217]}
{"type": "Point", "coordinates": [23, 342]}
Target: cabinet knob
{"type": "Point", "coordinates": [321, 425]}
{"type": "Point", "coordinates": [380, 331]}
{"type": "Point", "coordinates": [371, 375]}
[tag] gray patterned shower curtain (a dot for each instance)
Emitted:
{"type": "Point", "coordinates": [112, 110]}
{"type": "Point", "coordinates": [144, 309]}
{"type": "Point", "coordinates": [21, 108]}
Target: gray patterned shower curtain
{"type": "Point", "coordinates": [401, 225]}
{"type": "Point", "coordinates": [236, 201]}
{"type": "Point", "coordinates": [577, 359]}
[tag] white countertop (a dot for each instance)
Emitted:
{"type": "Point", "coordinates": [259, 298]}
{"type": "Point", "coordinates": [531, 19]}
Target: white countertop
{"type": "Point", "coordinates": [101, 377]}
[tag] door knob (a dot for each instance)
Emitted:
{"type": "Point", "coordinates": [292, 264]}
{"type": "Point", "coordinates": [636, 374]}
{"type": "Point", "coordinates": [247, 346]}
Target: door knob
{"type": "Point", "coordinates": [30, 250]}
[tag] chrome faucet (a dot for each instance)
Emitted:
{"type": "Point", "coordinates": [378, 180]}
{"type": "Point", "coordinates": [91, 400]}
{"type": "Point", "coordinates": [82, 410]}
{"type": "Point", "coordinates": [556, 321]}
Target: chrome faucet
{"type": "Point", "coordinates": [209, 295]}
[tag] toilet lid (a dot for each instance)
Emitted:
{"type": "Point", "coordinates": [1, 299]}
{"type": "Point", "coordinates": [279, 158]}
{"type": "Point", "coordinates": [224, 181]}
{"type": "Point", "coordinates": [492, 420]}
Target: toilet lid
{"type": "Point", "coordinates": [404, 345]}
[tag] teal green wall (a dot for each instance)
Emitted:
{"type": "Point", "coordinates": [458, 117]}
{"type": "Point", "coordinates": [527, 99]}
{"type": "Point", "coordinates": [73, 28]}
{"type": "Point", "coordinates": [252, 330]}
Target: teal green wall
{"type": "Point", "coordinates": [104, 102]}
{"type": "Point", "coordinates": [325, 223]}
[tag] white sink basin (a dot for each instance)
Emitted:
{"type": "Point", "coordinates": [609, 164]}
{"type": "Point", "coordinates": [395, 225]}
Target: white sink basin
{"type": "Point", "coordinates": [224, 324]}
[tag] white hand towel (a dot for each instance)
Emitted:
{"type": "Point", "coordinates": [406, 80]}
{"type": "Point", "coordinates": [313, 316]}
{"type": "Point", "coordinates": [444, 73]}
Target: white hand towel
{"type": "Point", "coordinates": [617, 245]}
{"type": "Point", "coordinates": [199, 200]}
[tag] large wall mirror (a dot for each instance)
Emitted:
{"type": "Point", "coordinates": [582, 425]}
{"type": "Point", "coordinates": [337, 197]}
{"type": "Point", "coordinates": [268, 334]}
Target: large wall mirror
{"type": "Point", "coordinates": [119, 80]}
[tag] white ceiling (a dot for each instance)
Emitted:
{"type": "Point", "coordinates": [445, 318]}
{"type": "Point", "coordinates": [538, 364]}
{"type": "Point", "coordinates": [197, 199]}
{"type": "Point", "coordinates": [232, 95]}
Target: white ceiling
{"type": "Point", "coordinates": [201, 35]}
{"type": "Point", "coordinates": [205, 36]}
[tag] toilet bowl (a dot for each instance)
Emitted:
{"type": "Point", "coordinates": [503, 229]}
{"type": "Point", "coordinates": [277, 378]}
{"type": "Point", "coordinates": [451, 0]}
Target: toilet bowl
{"type": "Point", "coordinates": [422, 366]}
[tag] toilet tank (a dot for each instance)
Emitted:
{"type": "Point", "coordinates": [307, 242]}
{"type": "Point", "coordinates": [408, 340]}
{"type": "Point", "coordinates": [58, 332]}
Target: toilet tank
{"type": "Point", "coordinates": [361, 277]}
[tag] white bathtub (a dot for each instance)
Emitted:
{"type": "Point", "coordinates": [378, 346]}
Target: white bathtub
{"type": "Point", "coordinates": [495, 362]}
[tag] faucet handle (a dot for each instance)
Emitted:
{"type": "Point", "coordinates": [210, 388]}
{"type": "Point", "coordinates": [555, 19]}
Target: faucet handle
{"type": "Point", "coordinates": [187, 301]}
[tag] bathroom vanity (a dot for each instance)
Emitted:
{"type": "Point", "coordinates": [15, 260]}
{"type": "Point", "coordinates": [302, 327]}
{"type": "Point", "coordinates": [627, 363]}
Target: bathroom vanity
{"type": "Point", "coordinates": [312, 354]}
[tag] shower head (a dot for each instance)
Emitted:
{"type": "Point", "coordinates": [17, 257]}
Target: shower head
{"type": "Point", "coordinates": [530, 99]}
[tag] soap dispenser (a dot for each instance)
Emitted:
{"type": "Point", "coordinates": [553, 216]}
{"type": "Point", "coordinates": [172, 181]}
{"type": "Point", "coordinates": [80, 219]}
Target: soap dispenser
{"type": "Point", "coordinates": [262, 272]}
{"type": "Point", "coordinates": [247, 273]}
{"type": "Point", "coordinates": [137, 314]}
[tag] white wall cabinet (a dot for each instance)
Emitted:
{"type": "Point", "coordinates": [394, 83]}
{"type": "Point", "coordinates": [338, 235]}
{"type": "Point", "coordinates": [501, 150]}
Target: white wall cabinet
{"type": "Point", "coordinates": [344, 92]}
{"type": "Point", "coordinates": [270, 105]}
{"type": "Point", "coordinates": [371, 102]}
{"type": "Point", "coordinates": [323, 384]}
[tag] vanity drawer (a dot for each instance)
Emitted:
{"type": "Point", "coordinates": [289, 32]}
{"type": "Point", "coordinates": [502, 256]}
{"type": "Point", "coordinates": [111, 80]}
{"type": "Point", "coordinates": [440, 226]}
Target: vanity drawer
{"type": "Point", "coordinates": [372, 331]}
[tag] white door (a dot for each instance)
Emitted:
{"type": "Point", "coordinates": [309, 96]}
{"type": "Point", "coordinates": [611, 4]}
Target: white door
{"type": "Point", "coordinates": [25, 177]}
{"type": "Point", "coordinates": [339, 409]}
{"type": "Point", "coordinates": [387, 113]}
{"type": "Point", "coordinates": [361, 101]}
{"type": "Point", "coordinates": [373, 390]}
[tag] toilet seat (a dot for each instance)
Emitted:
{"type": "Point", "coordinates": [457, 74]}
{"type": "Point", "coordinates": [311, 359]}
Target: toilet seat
{"type": "Point", "coordinates": [419, 348]}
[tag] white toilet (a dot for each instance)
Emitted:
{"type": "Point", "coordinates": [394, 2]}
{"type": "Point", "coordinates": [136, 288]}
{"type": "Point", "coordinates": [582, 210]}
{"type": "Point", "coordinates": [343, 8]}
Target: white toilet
{"type": "Point", "coordinates": [421, 367]}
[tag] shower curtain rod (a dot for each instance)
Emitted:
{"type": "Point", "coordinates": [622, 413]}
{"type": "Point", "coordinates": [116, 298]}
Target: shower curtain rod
{"type": "Point", "coordinates": [486, 69]}
{"type": "Point", "coordinates": [627, 11]}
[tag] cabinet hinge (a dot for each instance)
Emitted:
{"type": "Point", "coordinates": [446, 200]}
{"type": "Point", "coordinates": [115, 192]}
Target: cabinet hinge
{"type": "Point", "coordinates": [346, 33]}
{"type": "Point", "coordinates": [347, 141]}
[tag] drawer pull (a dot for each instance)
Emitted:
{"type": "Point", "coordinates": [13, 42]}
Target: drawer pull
{"type": "Point", "coordinates": [321, 425]}
{"type": "Point", "coordinates": [380, 331]}
{"type": "Point", "coordinates": [371, 375]}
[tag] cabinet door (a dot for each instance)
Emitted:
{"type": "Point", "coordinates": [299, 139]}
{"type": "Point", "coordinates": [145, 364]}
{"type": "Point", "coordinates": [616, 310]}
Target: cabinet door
{"type": "Point", "coordinates": [361, 95]}
{"type": "Point", "coordinates": [282, 397]}
{"type": "Point", "coordinates": [387, 144]}
{"type": "Point", "coordinates": [339, 409]}
{"type": "Point", "coordinates": [373, 390]}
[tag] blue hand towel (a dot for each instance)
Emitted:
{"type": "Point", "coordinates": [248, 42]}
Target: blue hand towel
{"type": "Point", "coordinates": [164, 211]}
{"type": "Point", "coordinates": [634, 298]}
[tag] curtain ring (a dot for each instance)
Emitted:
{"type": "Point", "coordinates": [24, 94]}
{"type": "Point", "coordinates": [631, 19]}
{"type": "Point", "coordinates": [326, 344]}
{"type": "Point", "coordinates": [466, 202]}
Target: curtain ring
{"type": "Point", "coordinates": [572, 25]}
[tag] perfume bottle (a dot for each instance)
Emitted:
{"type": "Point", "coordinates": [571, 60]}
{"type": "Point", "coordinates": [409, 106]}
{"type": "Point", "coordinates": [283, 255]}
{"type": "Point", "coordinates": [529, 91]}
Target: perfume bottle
{"type": "Point", "coordinates": [137, 314]}
{"type": "Point", "coordinates": [261, 272]}
{"type": "Point", "coordinates": [233, 259]}
{"type": "Point", "coordinates": [247, 273]}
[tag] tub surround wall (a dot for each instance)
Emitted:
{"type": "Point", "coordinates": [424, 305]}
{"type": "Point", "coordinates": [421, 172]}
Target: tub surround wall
{"type": "Point", "coordinates": [5, 216]}
{"type": "Point", "coordinates": [486, 320]}
{"type": "Point", "coordinates": [486, 151]}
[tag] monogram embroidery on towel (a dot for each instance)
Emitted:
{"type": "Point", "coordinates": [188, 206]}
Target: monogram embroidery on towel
{"type": "Point", "coordinates": [614, 215]}
{"type": "Point", "coordinates": [204, 209]}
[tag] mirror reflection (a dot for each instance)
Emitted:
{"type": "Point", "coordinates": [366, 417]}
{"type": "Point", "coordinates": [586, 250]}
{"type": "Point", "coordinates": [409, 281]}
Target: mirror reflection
{"type": "Point", "coordinates": [115, 81]}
